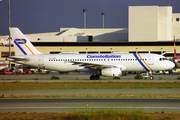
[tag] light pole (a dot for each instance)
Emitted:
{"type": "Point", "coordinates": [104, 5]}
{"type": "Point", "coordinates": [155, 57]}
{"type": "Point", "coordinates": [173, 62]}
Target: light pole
{"type": "Point", "coordinates": [169, 2]}
{"type": "Point", "coordinates": [9, 32]}
{"type": "Point", "coordinates": [103, 19]}
{"type": "Point", "coordinates": [84, 11]}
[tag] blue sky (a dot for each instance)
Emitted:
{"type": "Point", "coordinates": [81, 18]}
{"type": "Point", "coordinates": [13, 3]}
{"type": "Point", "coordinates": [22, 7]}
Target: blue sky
{"type": "Point", "coordinates": [35, 16]}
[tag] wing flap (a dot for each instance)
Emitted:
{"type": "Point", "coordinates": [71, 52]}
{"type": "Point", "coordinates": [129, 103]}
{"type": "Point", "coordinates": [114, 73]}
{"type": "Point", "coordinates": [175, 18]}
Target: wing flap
{"type": "Point", "coordinates": [92, 65]}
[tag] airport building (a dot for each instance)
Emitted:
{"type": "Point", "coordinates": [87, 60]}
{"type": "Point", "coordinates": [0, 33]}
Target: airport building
{"type": "Point", "coordinates": [150, 29]}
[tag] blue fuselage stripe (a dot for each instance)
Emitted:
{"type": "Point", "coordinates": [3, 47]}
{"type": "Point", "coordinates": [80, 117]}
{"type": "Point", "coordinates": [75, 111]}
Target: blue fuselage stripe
{"type": "Point", "coordinates": [139, 60]}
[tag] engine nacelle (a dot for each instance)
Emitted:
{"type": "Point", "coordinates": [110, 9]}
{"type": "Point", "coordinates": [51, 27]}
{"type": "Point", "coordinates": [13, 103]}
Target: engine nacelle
{"type": "Point", "coordinates": [115, 72]}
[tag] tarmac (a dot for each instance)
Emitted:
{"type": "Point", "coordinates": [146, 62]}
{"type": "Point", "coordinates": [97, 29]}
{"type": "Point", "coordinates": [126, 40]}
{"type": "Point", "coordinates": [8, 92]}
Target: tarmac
{"type": "Point", "coordinates": [62, 104]}
{"type": "Point", "coordinates": [85, 77]}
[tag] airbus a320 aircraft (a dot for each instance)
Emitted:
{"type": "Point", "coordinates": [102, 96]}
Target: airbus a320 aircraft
{"type": "Point", "coordinates": [101, 64]}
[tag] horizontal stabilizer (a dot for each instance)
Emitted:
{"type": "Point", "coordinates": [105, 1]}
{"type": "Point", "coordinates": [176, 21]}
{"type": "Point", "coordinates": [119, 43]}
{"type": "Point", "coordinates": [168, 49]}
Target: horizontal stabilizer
{"type": "Point", "coordinates": [16, 58]}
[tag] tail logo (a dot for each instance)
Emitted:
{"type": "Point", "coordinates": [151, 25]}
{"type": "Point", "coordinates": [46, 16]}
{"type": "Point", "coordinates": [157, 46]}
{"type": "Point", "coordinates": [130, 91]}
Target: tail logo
{"type": "Point", "coordinates": [23, 42]}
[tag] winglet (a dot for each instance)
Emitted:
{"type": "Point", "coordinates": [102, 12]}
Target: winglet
{"type": "Point", "coordinates": [22, 45]}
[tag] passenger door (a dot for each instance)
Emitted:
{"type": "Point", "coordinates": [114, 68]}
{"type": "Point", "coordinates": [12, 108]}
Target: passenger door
{"type": "Point", "coordinates": [150, 60]}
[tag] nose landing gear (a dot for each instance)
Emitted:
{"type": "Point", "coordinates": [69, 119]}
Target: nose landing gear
{"type": "Point", "coordinates": [150, 75]}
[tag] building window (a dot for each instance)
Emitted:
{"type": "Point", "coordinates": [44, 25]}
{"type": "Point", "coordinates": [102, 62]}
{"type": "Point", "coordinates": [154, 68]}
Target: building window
{"type": "Point", "coordinates": [92, 52]}
{"type": "Point", "coordinates": [6, 54]}
{"type": "Point", "coordinates": [177, 19]}
{"type": "Point", "coordinates": [55, 52]}
{"type": "Point", "coordinates": [105, 52]}
{"type": "Point", "coordinates": [82, 52]}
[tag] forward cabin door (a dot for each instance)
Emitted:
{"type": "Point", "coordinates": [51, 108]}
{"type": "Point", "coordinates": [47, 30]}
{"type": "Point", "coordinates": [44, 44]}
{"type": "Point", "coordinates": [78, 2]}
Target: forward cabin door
{"type": "Point", "coordinates": [150, 60]}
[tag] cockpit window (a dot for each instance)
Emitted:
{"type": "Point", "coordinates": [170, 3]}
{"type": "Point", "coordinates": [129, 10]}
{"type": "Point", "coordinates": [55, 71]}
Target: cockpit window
{"type": "Point", "coordinates": [162, 59]}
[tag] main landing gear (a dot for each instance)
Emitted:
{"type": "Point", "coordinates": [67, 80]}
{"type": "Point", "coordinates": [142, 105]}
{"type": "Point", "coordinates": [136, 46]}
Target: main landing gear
{"type": "Point", "coordinates": [94, 77]}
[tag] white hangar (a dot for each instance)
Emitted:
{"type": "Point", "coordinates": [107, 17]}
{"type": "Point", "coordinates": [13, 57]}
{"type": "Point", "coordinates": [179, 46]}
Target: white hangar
{"type": "Point", "coordinates": [153, 23]}
{"type": "Point", "coordinates": [145, 23]}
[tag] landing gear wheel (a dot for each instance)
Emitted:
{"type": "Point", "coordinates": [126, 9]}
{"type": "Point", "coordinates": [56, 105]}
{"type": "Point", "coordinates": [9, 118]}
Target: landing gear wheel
{"type": "Point", "coordinates": [151, 77]}
{"type": "Point", "coordinates": [94, 77]}
{"type": "Point", "coordinates": [170, 71]}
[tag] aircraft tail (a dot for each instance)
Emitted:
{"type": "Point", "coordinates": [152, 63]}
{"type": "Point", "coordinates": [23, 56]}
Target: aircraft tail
{"type": "Point", "coordinates": [174, 48]}
{"type": "Point", "coordinates": [22, 45]}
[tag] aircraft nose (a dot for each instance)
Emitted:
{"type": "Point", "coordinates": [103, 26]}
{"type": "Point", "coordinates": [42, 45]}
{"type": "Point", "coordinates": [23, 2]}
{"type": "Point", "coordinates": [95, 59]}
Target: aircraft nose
{"type": "Point", "coordinates": [170, 65]}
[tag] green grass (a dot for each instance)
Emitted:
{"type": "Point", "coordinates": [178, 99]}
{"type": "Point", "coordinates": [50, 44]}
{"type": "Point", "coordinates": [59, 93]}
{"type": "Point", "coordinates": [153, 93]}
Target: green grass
{"type": "Point", "coordinates": [92, 114]}
{"type": "Point", "coordinates": [94, 96]}
{"type": "Point", "coordinates": [17, 85]}
{"type": "Point", "coordinates": [108, 113]}
{"type": "Point", "coordinates": [55, 78]}
{"type": "Point", "coordinates": [17, 81]}
{"type": "Point", "coordinates": [138, 76]}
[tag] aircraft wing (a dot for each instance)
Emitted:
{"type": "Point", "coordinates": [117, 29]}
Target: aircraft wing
{"type": "Point", "coordinates": [16, 58]}
{"type": "Point", "coordinates": [97, 65]}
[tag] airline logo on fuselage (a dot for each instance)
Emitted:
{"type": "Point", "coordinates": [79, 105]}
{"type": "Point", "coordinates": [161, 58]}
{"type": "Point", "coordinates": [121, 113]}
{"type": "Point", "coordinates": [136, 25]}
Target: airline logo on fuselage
{"type": "Point", "coordinates": [103, 56]}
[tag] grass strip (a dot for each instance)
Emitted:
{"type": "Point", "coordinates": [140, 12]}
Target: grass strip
{"type": "Point", "coordinates": [101, 115]}
{"type": "Point", "coordinates": [85, 85]}
{"type": "Point", "coordinates": [93, 96]}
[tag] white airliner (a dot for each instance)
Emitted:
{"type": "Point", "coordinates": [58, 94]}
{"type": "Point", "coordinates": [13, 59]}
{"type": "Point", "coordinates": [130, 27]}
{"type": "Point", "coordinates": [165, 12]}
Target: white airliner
{"type": "Point", "coordinates": [101, 64]}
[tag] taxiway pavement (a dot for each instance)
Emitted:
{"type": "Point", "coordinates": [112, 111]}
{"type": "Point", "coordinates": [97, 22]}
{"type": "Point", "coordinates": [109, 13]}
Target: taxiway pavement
{"type": "Point", "coordinates": [174, 91]}
{"type": "Point", "coordinates": [90, 104]}
{"type": "Point", "coordinates": [79, 77]}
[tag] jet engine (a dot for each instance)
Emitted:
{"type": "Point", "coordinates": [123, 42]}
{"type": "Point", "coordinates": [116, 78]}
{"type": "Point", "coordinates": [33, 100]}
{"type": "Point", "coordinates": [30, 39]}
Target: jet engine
{"type": "Point", "coordinates": [116, 72]}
